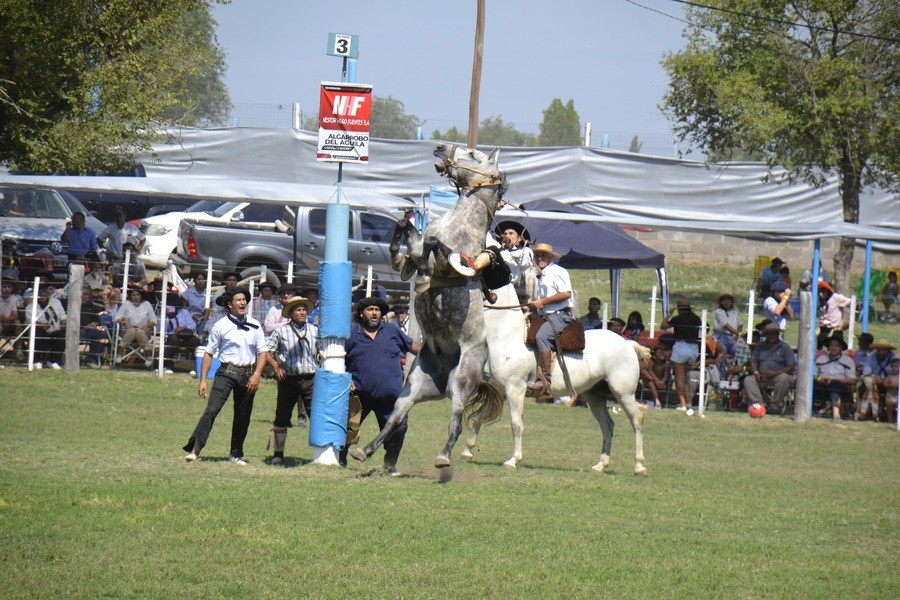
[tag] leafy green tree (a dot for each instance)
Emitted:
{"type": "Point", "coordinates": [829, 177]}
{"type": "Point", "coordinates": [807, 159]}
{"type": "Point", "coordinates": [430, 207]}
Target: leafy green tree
{"type": "Point", "coordinates": [810, 85]}
{"type": "Point", "coordinates": [494, 132]}
{"type": "Point", "coordinates": [451, 135]}
{"type": "Point", "coordinates": [636, 144]}
{"type": "Point", "coordinates": [84, 80]}
{"type": "Point", "coordinates": [390, 121]}
{"type": "Point", "coordinates": [561, 125]}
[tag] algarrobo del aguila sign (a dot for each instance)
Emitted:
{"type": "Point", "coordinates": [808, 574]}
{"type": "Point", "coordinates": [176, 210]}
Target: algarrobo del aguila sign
{"type": "Point", "coordinates": [344, 113]}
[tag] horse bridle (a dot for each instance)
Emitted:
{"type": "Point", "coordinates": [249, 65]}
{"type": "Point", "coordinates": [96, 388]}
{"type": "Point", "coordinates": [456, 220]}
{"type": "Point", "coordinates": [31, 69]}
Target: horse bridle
{"type": "Point", "coordinates": [488, 179]}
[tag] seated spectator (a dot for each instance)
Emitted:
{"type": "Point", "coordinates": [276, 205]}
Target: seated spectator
{"type": "Point", "coordinates": [878, 366]}
{"type": "Point", "coordinates": [181, 329]}
{"type": "Point", "coordinates": [10, 305]}
{"type": "Point", "coordinates": [80, 238]}
{"type": "Point", "coordinates": [93, 332]}
{"type": "Point", "coordinates": [769, 275]}
{"type": "Point", "coordinates": [634, 326]}
{"type": "Point", "coordinates": [786, 275]}
{"type": "Point", "coordinates": [95, 272]}
{"type": "Point", "coordinates": [264, 301]}
{"type": "Point", "coordinates": [136, 319]}
{"type": "Point", "coordinates": [137, 272]}
{"type": "Point", "coordinates": [864, 347]}
{"type": "Point", "coordinates": [772, 362]}
{"type": "Point", "coordinates": [195, 300]}
{"type": "Point", "coordinates": [891, 383]}
{"type": "Point", "coordinates": [889, 293]}
{"type": "Point", "coordinates": [50, 340]}
{"type": "Point", "coordinates": [617, 325]}
{"type": "Point", "coordinates": [832, 320]}
{"type": "Point", "coordinates": [835, 375]}
{"type": "Point", "coordinates": [776, 308]}
{"type": "Point", "coordinates": [727, 325]}
{"type": "Point", "coordinates": [592, 320]}
{"type": "Point", "coordinates": [655, 374]}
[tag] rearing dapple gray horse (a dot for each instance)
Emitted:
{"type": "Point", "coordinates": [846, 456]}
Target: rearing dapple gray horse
{"type": "Point", "coordinates": [449, 306]}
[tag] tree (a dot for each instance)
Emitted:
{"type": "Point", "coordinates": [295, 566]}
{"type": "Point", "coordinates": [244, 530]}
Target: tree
{"type": "Point", "coordinates": [494, 132]}
{"type": "Point", "coordinates": [636, 144]}
{"type": "Point", "coordinates": [810, 85]}
{"type": "Point", "coordinates": [451, 135]}
{"type": "Point", "coordinates": [561, 125]}
{"type": "Point", "coordinates": [390, 121]}
{"type": "Point", "coordinates": [85, 80]}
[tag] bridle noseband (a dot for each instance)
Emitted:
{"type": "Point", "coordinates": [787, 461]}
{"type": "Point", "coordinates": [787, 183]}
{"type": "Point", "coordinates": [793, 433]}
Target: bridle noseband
{"type": "Point", "coordinates": [487, 179]}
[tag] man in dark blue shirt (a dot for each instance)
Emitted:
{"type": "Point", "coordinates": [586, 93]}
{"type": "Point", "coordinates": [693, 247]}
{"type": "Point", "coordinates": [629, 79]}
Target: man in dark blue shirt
{"type": "Point", "coordinates": [374, 350]}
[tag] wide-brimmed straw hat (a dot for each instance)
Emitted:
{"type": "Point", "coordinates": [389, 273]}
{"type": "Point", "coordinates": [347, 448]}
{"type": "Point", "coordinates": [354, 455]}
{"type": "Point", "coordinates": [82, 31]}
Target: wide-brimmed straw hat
{"type": "Point", "coordinates": [882, 344]}
{"type": "Point", "coordinates": [547, 248]}
{"type": "Point", "coordinates": [293, 303]}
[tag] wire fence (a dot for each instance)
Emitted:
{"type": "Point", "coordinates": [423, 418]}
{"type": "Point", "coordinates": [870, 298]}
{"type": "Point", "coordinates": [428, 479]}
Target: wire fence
{"type": "Point", "coordinates": [653, 144]}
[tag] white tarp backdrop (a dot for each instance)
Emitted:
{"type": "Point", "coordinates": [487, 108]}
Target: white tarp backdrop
{"type": "Point", "coordinates": [628, 189]}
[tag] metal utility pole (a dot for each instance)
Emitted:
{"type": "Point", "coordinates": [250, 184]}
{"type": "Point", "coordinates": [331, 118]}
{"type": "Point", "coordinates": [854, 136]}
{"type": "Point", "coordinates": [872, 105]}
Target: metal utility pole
{"type": "Point", "coordinates": [476, 76]}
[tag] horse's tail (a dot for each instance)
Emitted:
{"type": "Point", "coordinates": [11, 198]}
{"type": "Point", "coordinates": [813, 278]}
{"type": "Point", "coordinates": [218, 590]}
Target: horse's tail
{"type": "Point", "coordinates": [486, 400]}
{"type": "Point", "coordinates": [643, 352]}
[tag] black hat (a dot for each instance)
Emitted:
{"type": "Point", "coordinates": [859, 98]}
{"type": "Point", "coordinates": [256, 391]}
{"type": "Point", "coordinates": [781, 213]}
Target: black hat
{"type": "Point", "coordinates": [372, 301]}
{"type": "Point", "coordinates": [520, 229]}
{"type": "Point", "coordinates": [227, 297]}
{"type": "Point", "coordinates": [118, 210]}
{"type": "Point", "coordinates": [400, 308]}
{"type": "Point", "coordinates": [231, 274]}
{"type": "Point", "coordinates": [267, 284]}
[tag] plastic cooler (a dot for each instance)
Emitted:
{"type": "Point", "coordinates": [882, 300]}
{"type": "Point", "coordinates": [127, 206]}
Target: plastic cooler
{"type": "Point", "coordinates": [198, 360]}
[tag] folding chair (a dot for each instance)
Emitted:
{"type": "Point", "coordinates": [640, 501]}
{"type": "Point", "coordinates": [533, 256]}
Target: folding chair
{"type": "Point", "coordinates": [134, 352]}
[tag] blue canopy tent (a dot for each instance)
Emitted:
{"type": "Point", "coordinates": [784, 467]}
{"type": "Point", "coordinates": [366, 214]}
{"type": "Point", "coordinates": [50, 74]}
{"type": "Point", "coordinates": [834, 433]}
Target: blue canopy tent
{"type": "Point", "coordinates": [589, 245]}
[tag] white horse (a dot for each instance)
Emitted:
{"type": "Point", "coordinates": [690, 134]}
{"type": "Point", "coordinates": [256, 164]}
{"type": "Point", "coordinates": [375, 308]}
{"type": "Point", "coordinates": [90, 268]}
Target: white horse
{"type": "Point", "coordinates": [607, 357]}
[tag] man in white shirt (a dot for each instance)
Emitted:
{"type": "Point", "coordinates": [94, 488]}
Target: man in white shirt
{"type": "Point", "coordinates": [136, 319]}
{"type": "Point", "coordinates": [554, 302]}
{"type": "Point", "coordinates": [50, 339]}
{"type": "Point", "coordinates": [113, 238]}
{"type": "Point", "coordinates": [239, 341]}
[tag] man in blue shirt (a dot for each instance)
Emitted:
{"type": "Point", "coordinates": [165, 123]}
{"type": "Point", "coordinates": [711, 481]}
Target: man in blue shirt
{"type": "Point", "coordinates": [374, 350]}
{"type": "Point", "coordinates": [80, 238]}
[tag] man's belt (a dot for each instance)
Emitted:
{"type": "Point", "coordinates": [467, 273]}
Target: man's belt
{"type": "Point", "coordinates": [241, 371]}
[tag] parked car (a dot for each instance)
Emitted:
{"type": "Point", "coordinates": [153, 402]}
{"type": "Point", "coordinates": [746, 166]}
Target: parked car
{"type": "Point", "coordinates": [136, 206]}
{"type": "Point", "coordinates": [244, 245]}
{"type": "Point", "coordinates": [35, 220]}
{"type": "Point", "coordinates": [161, 231]}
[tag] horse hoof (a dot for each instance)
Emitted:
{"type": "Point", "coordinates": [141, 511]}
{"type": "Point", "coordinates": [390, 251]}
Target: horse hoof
{"type": "Point", "coordinates": [642, 472]}
{"type": "Point", "coordinates": [359, 454]}
{"type": "Point", "coordinates": [598, 468]}
{"type": "Point", "coordinates": [511, 464]}
{"type": "Point", "coordinates": [466, 456]}
{"type": "Point", "coordinates": [604, 459]}
{"type": "Point", "coordinates": [442, 462]}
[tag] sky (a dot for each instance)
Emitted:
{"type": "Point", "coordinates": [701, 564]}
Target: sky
{"type": "Point", "coordinates": [603, 54]}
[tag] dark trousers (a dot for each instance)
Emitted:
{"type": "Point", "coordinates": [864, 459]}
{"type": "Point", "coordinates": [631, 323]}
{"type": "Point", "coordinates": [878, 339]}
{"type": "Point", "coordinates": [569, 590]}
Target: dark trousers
{"type": "Point", "coordinates": [293, 389]}
{"type": "Point", "coordinates": [383, 408]}
{"type": "Point", "coordinates": [223, 386]}
{"type": "Point", "coordinates": [94, 338]}
{"type": "Point", "coordinates": [831, 392]}
{"type": "Point", "coordinates": [49, 347]}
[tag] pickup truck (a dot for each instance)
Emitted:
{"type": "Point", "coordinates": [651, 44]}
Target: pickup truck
{"type": "Point", "coordinates": [244, 246]}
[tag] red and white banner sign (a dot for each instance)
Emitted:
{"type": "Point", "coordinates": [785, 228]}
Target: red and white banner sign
{"type": "Point", "coordinates": [344, 113]}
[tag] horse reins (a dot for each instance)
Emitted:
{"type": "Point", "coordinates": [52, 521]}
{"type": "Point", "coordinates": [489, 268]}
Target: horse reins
{"type": "Point", "coordinates": [489, 179]}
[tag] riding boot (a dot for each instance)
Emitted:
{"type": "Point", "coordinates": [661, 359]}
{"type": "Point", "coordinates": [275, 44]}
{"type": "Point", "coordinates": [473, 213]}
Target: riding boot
{"type": "Point", "coordinates": [541, 384]}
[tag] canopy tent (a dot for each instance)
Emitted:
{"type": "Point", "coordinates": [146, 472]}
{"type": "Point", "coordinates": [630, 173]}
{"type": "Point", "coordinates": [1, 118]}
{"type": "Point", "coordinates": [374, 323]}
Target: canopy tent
{"type": "Point", "coordinates": [588, 245]}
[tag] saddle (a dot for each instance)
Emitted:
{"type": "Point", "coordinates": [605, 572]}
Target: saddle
{"type": "Point", "coordinates": [571, 339]}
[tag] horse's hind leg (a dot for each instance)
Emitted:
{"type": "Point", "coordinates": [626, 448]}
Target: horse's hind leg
{"type": "Point", "coordinates": [636, 416]}
{"type": "Point", "coordinates": [472, 441]}
{"type": "Point", "coordinates": [463, 380]}
{"type": "Point", "coordinates": [597, 403]}
{"type": "Point", "coordinates": [516, 400]}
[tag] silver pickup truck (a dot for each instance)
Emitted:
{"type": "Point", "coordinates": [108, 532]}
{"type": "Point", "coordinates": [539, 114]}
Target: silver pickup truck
{"type": "Point", "coordinates": [244, 244]}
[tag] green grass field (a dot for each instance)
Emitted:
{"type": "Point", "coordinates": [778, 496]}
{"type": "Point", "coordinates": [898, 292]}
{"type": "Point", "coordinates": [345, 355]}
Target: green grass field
{"type": "Point", "coordinates": [96, 501]}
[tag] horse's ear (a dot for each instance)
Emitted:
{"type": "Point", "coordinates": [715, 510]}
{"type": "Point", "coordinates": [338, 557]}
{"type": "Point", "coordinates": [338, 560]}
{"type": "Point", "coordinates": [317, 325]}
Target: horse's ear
{"type": "Point", "coordinates": [495, 156]}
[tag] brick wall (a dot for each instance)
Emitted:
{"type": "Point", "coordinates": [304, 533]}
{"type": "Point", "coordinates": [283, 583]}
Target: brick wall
{"type": "Point", "coordinates": [686, 247]}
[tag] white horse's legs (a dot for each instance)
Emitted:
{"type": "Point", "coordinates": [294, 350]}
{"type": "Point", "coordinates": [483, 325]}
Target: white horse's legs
{"type": "Point", "coordinates": [597, 404]}
{"type": "Point", "coordinates": [636, 416]}
{"type": "Point", "coordinates": [516, 400]}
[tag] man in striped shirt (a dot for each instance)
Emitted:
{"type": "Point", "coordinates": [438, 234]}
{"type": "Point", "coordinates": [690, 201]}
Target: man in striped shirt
{"type": "Point", "coordinates": [292, 355]}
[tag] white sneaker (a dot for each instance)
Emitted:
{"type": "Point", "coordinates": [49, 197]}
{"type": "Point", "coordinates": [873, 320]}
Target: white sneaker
{"type": "Point", "coordinates": [38, 366]}
{"type": "Point", "coordinates": [191, 457]}
{"type": "Point", "coordinates": [169, 372]}
{"type": "Point", "coordinates": [238, 460]}
{"type": "Point", "coordinates": [55, 366]}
